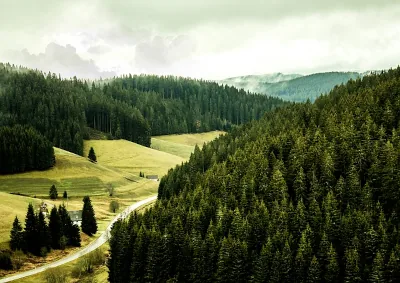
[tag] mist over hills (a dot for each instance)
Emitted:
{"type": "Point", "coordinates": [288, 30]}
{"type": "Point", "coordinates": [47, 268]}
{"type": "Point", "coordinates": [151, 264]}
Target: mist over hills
{"type": "Point", "coordinates": [293, 87]}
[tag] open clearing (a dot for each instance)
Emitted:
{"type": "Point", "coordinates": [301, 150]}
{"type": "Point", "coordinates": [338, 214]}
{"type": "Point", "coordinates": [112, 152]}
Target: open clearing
{"type": "Point", "coordinates": [11, 206]}
{"type": "Point", "coordinates": [132, 158]}
{"type": "Point", "coordinates": [80, 177]}
{"type": "Point", "coordinates": [118, 164]}
{"type": "Point", "coordinates": [183, 145]}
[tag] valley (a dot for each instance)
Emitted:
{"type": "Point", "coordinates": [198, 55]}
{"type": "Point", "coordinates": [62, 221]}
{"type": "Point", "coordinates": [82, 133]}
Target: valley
{"type": "Point", "coordinates": [119, 163]}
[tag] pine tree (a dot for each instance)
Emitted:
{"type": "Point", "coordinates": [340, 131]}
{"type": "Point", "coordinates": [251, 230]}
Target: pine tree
{"type": "Point", "coordinates": [53, 192]}
{"type": "Point", "coordinates": [89, 224]}
{"type": "Point", "coordinates": [377, 274]}
{"type": "Point", "coordinates": [44, 236]}
{"type": "Point", "coordinates": [314, 271]}
{"type": "Point", "coordinates": [352, 268]}
{"type": "Point", "coordinates": [17, 236]}
{"type": "Point", "coordinates": [65, 195]}
{"type": "Point", "coordinates": [31, 237]}
{"type": "Point", "coordinates": [92, 155]}
{"type": "Point", "coordinates": [74, 236]}
{"type": "Point", "coordinates": [55, 228]}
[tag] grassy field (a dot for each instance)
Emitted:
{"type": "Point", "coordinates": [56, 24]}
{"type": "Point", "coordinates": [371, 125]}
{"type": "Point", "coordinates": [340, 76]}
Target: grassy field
{"type": "Point", "coordinates": [118, 163]}
{"type": "Point", "coordinates": [11, 206]}
{"type": "Point", "coordinates": [80, 177]}
{"type": "Point", "coordinates": [182, 145]}
{"type": "Point", "coordinates": [132, 158]}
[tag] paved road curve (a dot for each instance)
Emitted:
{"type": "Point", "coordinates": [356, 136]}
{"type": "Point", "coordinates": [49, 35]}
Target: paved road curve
{"type": "Point", "coordinates": [92, 246]}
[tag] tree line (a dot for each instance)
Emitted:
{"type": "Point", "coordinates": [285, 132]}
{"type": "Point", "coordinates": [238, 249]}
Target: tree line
{"type": "Point", "coordinates": [22, 149]}
{"type": "Point", "coordinates": [307, 194]}
{"type": "Point", "coordinates": [129, 107]}
{"type": "Point", "coordinates": [38, 237]}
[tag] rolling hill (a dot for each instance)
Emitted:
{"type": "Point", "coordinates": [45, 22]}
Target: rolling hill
{"type": "Point", "coordinates": [293, 87]}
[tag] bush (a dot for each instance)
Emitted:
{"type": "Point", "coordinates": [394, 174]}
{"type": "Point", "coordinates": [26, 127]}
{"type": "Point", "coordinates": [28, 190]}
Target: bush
{"type": "Point", "coordinates": [114, 206]}
{"type": "Point", "coordinates": [88, 262]}
{"type": "Point", "coordinates": [18, 259]}
{"type": "Point", "coordinates": [55, 275]}
{"type": "Point", "coordinates": [5, 260]}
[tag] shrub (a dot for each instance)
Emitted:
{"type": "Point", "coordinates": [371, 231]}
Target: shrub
{"type": "Point", "coordinates": [55, 275]}
{"type": "Point", "coordinates": [5, 260]}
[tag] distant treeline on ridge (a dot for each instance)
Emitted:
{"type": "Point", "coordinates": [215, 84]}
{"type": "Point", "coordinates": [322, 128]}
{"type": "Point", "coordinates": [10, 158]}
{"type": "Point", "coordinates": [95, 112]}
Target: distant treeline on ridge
{"type": "Point", "coordinates": [129, 107]}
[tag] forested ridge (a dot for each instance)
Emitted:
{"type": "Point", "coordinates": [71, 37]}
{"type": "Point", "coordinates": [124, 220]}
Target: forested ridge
{"type": "Point", "coordinates": [23, 149]}
{"type": "Point", "coordinates": [310, 193]}
{"type": "Point", "coordinates": [129, 107]}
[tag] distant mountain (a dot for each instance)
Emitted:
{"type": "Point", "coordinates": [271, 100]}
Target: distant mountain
{"type": "Point", "coordinates": [253, 83]}
{"type": "Point", "coordinates": [293, 87]}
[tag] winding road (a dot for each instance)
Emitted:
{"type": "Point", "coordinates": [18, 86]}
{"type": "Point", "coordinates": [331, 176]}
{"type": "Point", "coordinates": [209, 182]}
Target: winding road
{"type": "Point", "coordinates": [91, 247]}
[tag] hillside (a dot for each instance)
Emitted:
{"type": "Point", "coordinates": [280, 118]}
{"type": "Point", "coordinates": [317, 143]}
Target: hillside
{"type": "Point", "coordinates": [252, 82]}
{"type": "Point", "coordinates": [131, 158]}
{"type": "Point", "coordinates": [182, 145]}
{"type": "Point", "coordinates": [130, 107]}
{"type": "Point", "coordinates": [11, 206]}
{"type": "Point", "coordinates": [294, 87]}
{"type": "Point", "coordinates": [307, 194]}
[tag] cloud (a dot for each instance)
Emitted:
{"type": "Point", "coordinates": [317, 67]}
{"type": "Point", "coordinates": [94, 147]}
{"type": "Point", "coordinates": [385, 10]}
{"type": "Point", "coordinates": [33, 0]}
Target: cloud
{"type": "Point", "coordinates": [160, 52]}
{"type": "Point", "coordinates": [60, 59]}
{"type": "Point", "coordinates": [99, 49]}
{"type": "Point", "coordinates": [210, 39]}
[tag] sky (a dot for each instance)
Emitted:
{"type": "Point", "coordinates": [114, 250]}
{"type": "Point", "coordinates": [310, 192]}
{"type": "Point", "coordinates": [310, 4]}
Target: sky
{"type": "Point", "coordinates": [209, 39]}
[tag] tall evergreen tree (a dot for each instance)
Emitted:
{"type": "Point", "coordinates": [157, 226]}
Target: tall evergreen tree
{"type": "Point", "coordinates": [55, 228]}
{"type": "Point", "coordinates": [89, 223]}
{"type": "Point", "coordinates": [53, 192]}
{"type": "Point", "coordinates": [17, 236]}
{"type": "Point", "coordinates": [92, 155]}
{"type": "Point", "coordinates": [31, 235]}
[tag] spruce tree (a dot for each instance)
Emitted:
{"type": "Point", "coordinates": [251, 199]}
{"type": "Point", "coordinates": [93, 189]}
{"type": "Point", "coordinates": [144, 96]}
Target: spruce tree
{"type": "Point", "coordinates": [65, 195]}
{"type": "Point", "coordinates": [314, 271]}
{"type": "Point", "coordinates": [92, 155]}
{"type": "Point", "coordinates": [89, 224]}
{"type": "Point", "coordinates": [74, 238]}
{"type": "Point", "coordinates": [44, 236]}
{"type": "Point", "coordinates": [31, 237]}
{"type": "Point", "coordinates": [55, 228]}
{"type": "Point", "coordinates": [17, 236]}
{"type": "Point", "coordinates": [53, 192]}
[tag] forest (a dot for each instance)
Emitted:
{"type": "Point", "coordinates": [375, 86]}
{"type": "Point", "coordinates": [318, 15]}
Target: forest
{"type": "Point", "coordinates": [309, 193]}
{"type": "Point", "coordinates": [24, 149]}
{"type": "Point", "coordinates": [129, 107]}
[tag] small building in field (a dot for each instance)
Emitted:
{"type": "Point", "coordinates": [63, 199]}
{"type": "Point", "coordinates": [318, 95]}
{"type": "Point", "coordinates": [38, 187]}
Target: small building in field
{"type": "Point", "coordinates": [152, 177]}
{"type": "Point", "coordinates": [76, 217]}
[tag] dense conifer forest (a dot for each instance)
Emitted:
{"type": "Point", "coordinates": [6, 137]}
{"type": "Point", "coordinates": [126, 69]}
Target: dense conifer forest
{"type": "Point", "coordinates": [129, 107]}
{"type": "Point", "coordinates": [23, 149]}
{"type": "Point", "coordinates": [310, 193]}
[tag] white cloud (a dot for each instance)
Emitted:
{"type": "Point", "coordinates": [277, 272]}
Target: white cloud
{"type": "Point", "coordinates": [208, 39]}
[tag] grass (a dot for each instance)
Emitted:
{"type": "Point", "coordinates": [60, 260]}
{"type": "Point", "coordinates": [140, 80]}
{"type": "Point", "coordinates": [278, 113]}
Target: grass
{"type": "Point", "coordinates": [119, 164]}
{"type": "Point", "coordinates": [182, 145]}
{"type": "Point", "coordinates": [191, 139]}
{"type": "Point", "coordinates": [80, 177]}
{"type": "Point", "coordinates": [11, 206]}
{"type": "Point", "coordinates": [132, 158]}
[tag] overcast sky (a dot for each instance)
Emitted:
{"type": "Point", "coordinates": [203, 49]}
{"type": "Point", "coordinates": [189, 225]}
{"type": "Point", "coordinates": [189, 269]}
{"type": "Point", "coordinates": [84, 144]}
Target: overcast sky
{"type": "Point", "coordinates": [211, 39]}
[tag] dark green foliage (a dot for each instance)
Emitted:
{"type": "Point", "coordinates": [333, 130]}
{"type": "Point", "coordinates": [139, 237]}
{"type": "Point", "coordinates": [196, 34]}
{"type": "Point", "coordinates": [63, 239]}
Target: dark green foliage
{"type": "Point", "coordinates": [5, 260]}
{"type": "Point", "coordinates": [31, 236]}
{"type": "Point", "coordinates": [69, 233]}
{"type": "Point", "coordinates": [92, 155]}
{"type": "Point", "coordinates": [65, 195]}
{"type": "Point", "coordinates": [308, 193]}
{"type": "Point", "coordinates": [55, 228]}
{"type": "Point", "coordinates": [129, 107]}
{"type": "Point", "coordinates": [89, 224]}
{"type": "Point", "coordinates": [53, 192]}
{"type": "Point", "coordinates": [24, 149]}
{"type": "Point", "coordinates": [16, 236]}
